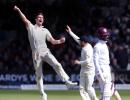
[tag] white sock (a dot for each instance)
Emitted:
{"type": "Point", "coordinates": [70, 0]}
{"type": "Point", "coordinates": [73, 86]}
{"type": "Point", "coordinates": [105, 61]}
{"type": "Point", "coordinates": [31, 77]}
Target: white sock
{"type": "Point", "coordinates": [44, 96]}
{"type": "Point", "coordinates": [40, 84]}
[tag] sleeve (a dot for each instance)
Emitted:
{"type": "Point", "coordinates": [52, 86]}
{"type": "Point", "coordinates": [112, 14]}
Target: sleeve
{"type": "Point", "coordinates": [88, 56]}
{"type": "Point", "coordinates": [96, 62]}
{"type": "Point", "coordinates": [75, 37]}
{"type": "Point", "coordinates": [48, 35]}
{"type": "Point", "coordinates": [29, 28]}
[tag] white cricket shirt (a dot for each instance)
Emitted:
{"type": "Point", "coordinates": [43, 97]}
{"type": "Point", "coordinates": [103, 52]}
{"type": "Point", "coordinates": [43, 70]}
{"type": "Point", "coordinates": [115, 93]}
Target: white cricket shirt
{"type": "Point", "coordinates": [101, 57]}
{"type": "Point", "coordinates": [87, 64]}
{"type": "Point", "coordinates": [37, 37]}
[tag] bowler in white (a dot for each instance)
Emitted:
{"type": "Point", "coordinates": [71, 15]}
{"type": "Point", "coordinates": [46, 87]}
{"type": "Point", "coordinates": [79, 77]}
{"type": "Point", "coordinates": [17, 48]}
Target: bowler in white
{"type": "Point", "coordinates": [38, 35]}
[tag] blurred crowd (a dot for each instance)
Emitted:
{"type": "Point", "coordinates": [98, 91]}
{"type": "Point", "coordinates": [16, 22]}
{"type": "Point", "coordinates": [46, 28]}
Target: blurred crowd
{"type": "Point", "coordinates": [15, 52]}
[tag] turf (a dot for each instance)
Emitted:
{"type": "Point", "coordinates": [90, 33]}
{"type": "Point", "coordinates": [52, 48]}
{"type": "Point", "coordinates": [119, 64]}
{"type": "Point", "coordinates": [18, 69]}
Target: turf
{"type": "Point", "coordinates": [52, 95]}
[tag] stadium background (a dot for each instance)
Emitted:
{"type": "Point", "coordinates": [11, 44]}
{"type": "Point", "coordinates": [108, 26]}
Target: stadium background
{"type": "Point", "coordinates": [83, 16]}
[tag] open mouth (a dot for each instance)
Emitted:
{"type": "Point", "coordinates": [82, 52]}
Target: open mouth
{"type": "Point", "coordinates": [40, 20]}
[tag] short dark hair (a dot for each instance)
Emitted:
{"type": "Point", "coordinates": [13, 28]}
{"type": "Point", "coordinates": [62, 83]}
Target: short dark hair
{"type": "Point", "coordinates": [84, 38]}
{"type": "Point", "coordinates": [39, 13]}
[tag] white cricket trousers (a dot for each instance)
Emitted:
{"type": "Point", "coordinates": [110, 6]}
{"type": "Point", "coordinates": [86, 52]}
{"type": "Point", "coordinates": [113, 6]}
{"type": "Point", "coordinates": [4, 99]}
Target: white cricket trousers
{"type": "Point", "coordinates": [105, 87]}
{"type": "Point", "coordinates": [87, 91]}
{"type": "Point", "coordinates": [51, 60]}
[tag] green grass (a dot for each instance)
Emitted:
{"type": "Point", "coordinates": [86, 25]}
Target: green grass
{"type": "Point", "coordinates": [52, 95]}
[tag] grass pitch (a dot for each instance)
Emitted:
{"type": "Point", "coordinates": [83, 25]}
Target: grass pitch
{"type": "Point", "coordinates": [52, 95]}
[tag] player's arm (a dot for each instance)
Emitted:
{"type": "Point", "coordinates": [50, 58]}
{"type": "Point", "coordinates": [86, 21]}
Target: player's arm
{"type": "Point", "coordinates": [87, 61]}
{"type": "Point", "coordinates": [54, 41]}
{"type": "Point", "coordinates": [75, 37]}
{"type": "Point", "coordinates": [59, 41]}
{"type": "Point", "coordinates": [96, 63]}
{"type": "Point", "coordinates": [23, 17]}
{"type": "Point", "coordinates": [79, 62]}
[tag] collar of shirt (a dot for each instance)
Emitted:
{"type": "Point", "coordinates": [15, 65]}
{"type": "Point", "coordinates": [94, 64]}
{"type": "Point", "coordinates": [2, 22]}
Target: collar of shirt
{"type": "Point", "coordinates": [101, 41]}
{"type": "Point", "coordinates": [38, 26]}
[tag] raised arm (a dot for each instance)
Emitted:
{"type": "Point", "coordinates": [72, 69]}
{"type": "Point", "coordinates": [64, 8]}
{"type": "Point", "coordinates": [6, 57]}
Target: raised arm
{"type": "Point", "coordinates": [23, 17]}
{"type": "Point", "coordinates": [75, 37]}
{"type": "Point", "coordinates": [54, 41]}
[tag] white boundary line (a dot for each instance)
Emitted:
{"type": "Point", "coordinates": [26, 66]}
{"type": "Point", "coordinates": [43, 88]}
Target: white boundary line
{"type": "Point", "coordinates": [56, 87]}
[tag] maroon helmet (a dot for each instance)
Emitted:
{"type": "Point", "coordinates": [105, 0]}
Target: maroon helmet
{"type": "Point", "coordinates": [103, 33]}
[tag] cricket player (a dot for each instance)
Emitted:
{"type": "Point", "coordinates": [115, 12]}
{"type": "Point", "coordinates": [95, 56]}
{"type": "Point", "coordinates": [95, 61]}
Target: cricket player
{"type": "Point", "coordinates": [37, 36]}
{"type": "Point", "coordinates": [87, 72]}
{"type": "Point", "coordinates": [101, 61]}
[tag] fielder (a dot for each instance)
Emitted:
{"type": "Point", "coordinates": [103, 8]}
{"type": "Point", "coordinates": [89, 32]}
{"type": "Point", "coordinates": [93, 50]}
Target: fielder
{"type": "Point", "coordinates": [37, 36]}
{"type": "Point", "coordinates": [87, 72]}
{"type": "Point", "coordinates": [101, 61]}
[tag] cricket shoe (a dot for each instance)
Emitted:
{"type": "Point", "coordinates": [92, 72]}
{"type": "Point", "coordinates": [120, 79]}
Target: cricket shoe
{"type": "Point", "coordinates": [44, 96]}
{"type": "Point", "coordinates": [71, 85]}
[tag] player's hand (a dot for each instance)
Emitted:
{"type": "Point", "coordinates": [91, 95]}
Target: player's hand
{"type": "Point", "coordinates": [77, 62]}
{"type": "Point", "coordinates": [62, 40]}
{"type": "Point", "coordinates": [68, 29]}
{"type": "Point", "coordinates": [16, 8]}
